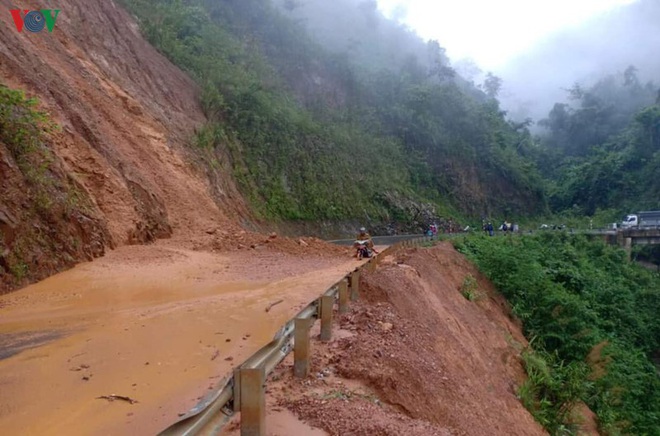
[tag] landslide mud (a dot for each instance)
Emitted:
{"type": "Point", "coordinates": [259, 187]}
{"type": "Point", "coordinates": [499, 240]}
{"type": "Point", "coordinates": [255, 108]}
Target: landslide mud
{"type": "Point", "coordinates": [413, 357]}
{"type": "Point", "coordinates": [127, 118]}
{"type": "Point", "coordinates": [157, 324]}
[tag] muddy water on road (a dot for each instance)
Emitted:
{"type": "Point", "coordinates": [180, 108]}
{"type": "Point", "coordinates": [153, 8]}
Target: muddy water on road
{"type": "Point", "coordinates": [158, 325]}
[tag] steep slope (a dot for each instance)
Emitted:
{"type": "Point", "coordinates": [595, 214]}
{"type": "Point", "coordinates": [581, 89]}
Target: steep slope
{"type": "Point", "coordinates": [333, 135]}
{"type": "Point", "coordinates": [414, 357]}
{"type": "Point", "coordinates": [125, 114]}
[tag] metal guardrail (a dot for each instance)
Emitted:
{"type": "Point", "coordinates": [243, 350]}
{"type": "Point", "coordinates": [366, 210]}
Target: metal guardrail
{"type": "Point", "coordinates": [379, 240]}
{"type": "Point", "coordinates": [211, 414]}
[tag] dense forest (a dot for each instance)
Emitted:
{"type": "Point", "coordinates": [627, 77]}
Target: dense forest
{"type": "Point", "coordinates": [332, 111]}
{"type": "Point", "coordinates": [370, 126]}
{"type": "Point", "coordinates": [602, 148]}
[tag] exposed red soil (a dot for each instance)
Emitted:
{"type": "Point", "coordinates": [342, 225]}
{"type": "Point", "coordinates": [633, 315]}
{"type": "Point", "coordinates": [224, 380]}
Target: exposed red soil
{"type": "Point", "coordinates": [415, 357]}
{"type": "Point", "coordinates": [127, 118]}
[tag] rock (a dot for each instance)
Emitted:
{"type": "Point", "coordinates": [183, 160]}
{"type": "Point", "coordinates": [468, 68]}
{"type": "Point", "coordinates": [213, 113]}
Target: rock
{"type": "Point", "coordinates": [211, 231]}
{"type": "Point", "coordinates": [273, 235]}
{"type": "Point", "coordinates": [302, 243]}
{"type": "Point", "coordinates": [7, 218]}
{"type": "Point", "coordinates": [386, 326]}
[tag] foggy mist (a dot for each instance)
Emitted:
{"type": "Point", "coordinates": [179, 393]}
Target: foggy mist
{"type": "Point", "coordinates": [533, 82]}
{"type": "Point", "coordinates": [605, 45]}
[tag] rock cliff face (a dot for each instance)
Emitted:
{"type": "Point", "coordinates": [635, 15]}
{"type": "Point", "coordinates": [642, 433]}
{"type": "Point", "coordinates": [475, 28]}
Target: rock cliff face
{"type": "Point", "coordinates": [119, 162]}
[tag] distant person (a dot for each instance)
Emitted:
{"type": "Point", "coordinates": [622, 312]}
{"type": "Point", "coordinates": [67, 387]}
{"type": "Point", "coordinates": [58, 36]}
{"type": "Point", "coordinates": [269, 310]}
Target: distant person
{"type": "Point", "coordinates": [504, 227]}
{"type": "Point", "coordinates": [490, 229]}
{"type": "Point", "coordinates": [515, 228]}
{"type": "Point", "coordinates": [364, 236]}
{"type": "Point", "coordinates": [363, 244]}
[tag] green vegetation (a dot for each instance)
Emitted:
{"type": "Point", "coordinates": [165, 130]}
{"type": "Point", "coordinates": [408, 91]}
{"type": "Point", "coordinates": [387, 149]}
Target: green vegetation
{"type": "Point", "coordinates": [553, 389]}
{"type": "Point", "coordinates": [470, 288]}
{"type": "Point", "coordinates": [24, 130]}
{"type": "Point", "coordinates": [592, 318]}
{"type": "Point", "coordinates": [603, 152]}
{"type": "Point", "coordinates": [315, 133]}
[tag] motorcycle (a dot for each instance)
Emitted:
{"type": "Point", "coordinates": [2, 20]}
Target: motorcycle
{"type": "Point", "coordinates": [362, 249]}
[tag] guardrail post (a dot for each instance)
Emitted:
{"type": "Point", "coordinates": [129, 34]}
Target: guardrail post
{"type": "Point", "coordinates": [301, 347]}
{"type": "Point", "coordinates": [343, 296]}
{"type": "Point", "coordinates": [253, 399]}
{"type": "Point", "coordinates": [237, 389]}
{"type": "Point", "coordinates": [327, 304]}
{"type": "Point", "coordinates": [355, 285]}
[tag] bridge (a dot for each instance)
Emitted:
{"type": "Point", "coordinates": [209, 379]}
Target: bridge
{"type": "Point", "coordinates": [626, 238]}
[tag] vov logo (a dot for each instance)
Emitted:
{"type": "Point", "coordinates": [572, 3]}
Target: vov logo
{"type": "Point", "coordinates": [35, 21]}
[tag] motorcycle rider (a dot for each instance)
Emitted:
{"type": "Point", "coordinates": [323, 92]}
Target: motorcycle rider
{"type": "Point", "coordinates": [364, 236]}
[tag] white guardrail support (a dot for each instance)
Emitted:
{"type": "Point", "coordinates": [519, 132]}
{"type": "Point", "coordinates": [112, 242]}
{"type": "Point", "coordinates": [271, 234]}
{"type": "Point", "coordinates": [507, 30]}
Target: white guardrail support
{"type": "Point", "coordinates": [343, 296]}
{"type": "Point", "coordinates": [301, 348]}
{"type": "Point", "coordinates": [354, 283]}
{"type": "Point", "coordinates": [253, 407]}
{"type": "Point", "coordinates": [326, 308]}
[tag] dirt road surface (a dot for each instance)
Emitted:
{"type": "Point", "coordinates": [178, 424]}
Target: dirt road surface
{"type": "Point", "coordinates": [157, 324]}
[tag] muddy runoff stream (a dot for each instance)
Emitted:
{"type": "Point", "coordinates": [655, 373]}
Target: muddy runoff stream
{"type": "Point", "coordinates": [158, 325]}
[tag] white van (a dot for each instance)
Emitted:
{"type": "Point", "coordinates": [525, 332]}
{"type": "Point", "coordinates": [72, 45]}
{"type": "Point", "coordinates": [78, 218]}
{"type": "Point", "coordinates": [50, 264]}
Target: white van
{"type": "Point", "coordinates": [630, 221]}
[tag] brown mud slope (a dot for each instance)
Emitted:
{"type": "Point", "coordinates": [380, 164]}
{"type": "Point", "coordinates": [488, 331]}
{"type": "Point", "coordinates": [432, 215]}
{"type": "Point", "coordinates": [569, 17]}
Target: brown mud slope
{"type": "Point", "coordinates": [415, 357]}
{"type": "Point", "coordinates": [126, 116]}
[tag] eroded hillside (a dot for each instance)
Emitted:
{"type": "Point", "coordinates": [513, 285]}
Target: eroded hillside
{"type": "Point", "coordinates": [125, 115]}
{"type": "Point", "coordinates": [414, 356]}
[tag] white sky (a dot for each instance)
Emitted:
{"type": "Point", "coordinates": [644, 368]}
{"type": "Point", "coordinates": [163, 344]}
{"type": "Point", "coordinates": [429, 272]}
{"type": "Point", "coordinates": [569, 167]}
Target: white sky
{"type": "Point", "coordinates": [493, 32]}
